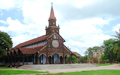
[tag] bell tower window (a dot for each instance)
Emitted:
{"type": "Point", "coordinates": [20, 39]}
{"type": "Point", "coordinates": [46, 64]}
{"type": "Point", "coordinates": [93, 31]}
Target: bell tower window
{"type": "Point", "coordinates": [55, 36]}
{"type": "Point", "coordinates": [50, 24]}
{"type": "Point", "coordinates": [48, 44]}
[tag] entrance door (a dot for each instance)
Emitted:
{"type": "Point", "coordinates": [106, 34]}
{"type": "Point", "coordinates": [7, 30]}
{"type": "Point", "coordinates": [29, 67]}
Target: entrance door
{"type": "Point", "coordinates": [42, 59]}
{"type": "Point", "coordinates": [56, 59]}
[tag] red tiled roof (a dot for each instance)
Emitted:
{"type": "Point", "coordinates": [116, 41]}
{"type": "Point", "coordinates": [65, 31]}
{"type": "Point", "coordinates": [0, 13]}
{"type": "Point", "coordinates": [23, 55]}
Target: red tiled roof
{"type": "Point", "coordinates": [41, 38]}
{"type": "Point", "coordinates": [31, 50]}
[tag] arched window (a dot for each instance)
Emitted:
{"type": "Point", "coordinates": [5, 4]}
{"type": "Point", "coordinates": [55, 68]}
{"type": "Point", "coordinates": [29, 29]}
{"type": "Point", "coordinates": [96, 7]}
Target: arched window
{"type": "Point", "coordinates": [55, 36]}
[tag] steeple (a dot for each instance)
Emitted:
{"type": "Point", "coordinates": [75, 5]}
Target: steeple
{"type": "Point", "coordinates": [52, 16]}
{"type": "Point", "coordinates": [52, 28]}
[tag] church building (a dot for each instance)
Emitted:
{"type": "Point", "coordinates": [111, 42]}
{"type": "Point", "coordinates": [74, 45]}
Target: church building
{"type": "Point", "coordinates": [46, 49]}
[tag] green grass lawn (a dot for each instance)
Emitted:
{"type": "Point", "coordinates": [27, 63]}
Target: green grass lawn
{"type": "Point", "coordinates": [96, 72]}
{"type": "Point", "coordinates": [12, 72]}
{"type": "Point", "coordinates": [103, 64]}
{"type": "Point", "coordinates": [5, 68]}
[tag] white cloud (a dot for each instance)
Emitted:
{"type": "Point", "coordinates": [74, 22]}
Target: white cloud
{"type": "Point", "coordinates": [22, 31]}
{"type": "Point", "coordinates": [116, 28]}
{"type": "Point", "coordinates": [81, 3]}
{"type": "Point", "coordinates": [19, 28]}
{"type": "Point", "coordinates": [1, 21]}
{"type": "Point", "coordinates": [8, 4]}
{"type": "Point", "coordinates": [81, 46]}
{"type": "Point", "coordinates": [35, 11]}
{"type": "Point", "coordinates": [82, 27]}
{"type": "Point", "coordinates": [82, 34]}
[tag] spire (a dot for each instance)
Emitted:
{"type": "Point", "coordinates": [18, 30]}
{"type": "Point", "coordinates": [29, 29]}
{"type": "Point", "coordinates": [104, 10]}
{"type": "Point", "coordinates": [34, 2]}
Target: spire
{"type": "Point", "coordinates": [52, 13]}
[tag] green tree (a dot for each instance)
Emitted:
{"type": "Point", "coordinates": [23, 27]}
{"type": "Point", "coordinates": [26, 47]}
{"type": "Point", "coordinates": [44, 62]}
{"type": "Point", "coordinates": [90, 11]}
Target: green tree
{"type": "Point", "coordinates": [107, 60]}
{"type": "Point", "coordinates": [116, 45]}
{"type": "Point", "coordinates": [5, 43]}
{"type": "Point", "coordinates": [84, 59]}
{"type": "Point", "coordinates": [90, 50]}
{"type": "Point", "coordinates": [68, 59]}
{"type": "Point", "coordinates": [74, 59]}
{"type": "Point", "coordinates": [109, 54]}
{"type": "Point", "coordinates": [102, 57]}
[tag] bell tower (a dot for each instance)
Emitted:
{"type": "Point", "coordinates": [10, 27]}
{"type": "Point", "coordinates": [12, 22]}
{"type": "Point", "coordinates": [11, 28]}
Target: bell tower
{"type": "Point", "coordinates": [52, 23]}
{"type": "Point", "coordinates": [52, 18]}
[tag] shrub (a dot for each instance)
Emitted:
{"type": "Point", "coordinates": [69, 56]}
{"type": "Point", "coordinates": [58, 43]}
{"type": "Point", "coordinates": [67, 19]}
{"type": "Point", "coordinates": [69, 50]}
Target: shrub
{"type": "Point", "coordinates": [68, 59]}
{"type": "Point", "coordinates": [74, 59]}
{"type": "Point", "coordinates": [107, 60]}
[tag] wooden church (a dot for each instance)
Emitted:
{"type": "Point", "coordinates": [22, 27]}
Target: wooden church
{"type": "Point", "coordinates": [46, 49]}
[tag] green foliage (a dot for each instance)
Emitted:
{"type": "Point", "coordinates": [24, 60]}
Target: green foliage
{"type": "Point", "coordinates": [94, 72]}
{"type": "Point", "coordinates": [102, 57]}
{"type": "Point", "coordinates": [116, 45]}
{"type": "Point", "coordinates": [89, 52]}
{"type": "Point", "coordinates": [84, 59]}
{"type": "Point", "coordinates": [107, 60]}
{"type": "Point", "coordinates": [109, 54]}
{"type": "Point", "coordinates": [74, 59]}
{"type": "Point", "coordinates": [111, 49]}
{"type": "Point", "coordinates": [68, 59]}
{"type": "Point", "coordinates": [5, 43]}
{"type": "Point", "coordinates": [11, 72]}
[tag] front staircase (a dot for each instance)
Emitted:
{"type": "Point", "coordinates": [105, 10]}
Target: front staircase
{"type": "Point", "coordinates": [55, 66]}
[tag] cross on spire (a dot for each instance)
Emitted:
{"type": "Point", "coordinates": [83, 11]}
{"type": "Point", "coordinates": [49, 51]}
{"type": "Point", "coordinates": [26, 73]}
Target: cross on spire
{"type": "Point", "coordinates": [51, 3]}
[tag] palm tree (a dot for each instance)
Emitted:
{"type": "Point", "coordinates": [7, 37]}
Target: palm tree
{"type": "Point", "coordinates": [118, 35]}
{"type": "Point", "coordinates": [116, 44]}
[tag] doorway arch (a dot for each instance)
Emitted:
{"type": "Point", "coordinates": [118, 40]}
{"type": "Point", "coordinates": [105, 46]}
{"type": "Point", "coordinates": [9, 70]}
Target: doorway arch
{"type": "Point", "coordinates": [56, 59]}
{"type": "Point", "coordinates": [42, 59]}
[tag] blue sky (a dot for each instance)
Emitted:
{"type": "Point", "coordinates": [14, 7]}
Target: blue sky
{"type": "Point", "coordinates": [82, 24]}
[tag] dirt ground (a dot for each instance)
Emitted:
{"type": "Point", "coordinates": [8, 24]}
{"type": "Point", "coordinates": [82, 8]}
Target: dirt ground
{"type": "Point", "coordinates": [111, 67]}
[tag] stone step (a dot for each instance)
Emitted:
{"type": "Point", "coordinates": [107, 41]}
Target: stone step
{"type": "Point", "coordinates": [55, 66]}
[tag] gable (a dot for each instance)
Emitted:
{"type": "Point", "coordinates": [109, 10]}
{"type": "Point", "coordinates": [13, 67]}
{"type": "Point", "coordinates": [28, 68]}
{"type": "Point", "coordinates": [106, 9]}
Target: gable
{"type": "Point", "coordinates": [57, 35]}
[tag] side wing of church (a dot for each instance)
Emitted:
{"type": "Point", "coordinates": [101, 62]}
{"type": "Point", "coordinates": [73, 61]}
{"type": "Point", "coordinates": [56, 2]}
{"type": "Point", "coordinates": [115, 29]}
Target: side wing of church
{"type": "Point", "coordinates": [46, 49]}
